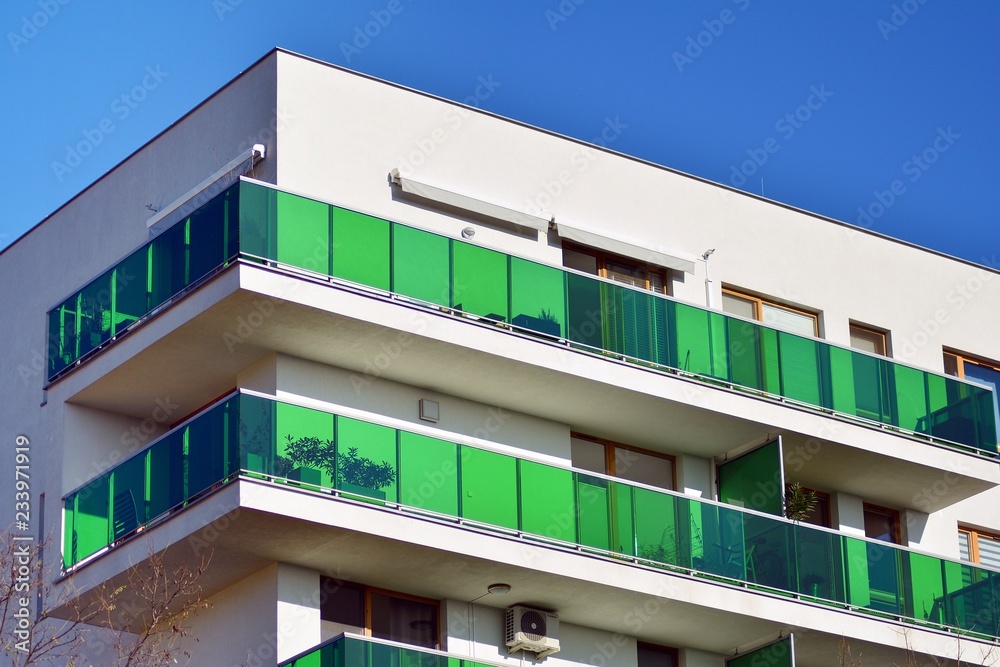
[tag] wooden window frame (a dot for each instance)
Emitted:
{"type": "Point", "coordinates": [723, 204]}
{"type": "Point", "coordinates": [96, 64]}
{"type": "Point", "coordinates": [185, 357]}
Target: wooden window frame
{"type": "Point", "coordinates": [369, 590]}
{"type": "Point", "coordinates": [610, 463]}
{"type": "Point", "coordinates": [897, 533]}
{"type": "Point", "coordinates": [759, 302]}
{"type": "Point", "coordinates": [961, 358]}
{"type": "Point", "coordinates": [603, 256]}
{"type": "Point", "coordinates": [876, 331]}
{"type": "Point", "coordinates": [658, 648]}
{"type": "Point", "coordinates": [974, 534]}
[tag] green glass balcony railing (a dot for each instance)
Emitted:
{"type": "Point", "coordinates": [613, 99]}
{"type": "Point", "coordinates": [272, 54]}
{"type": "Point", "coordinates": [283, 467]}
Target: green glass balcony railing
{"type": "Point", "coordinates": [356, 651]}
{"type": "Point", "coordinates": [287, 444]}
{"type": "Point", "coordinates": [582, 311]}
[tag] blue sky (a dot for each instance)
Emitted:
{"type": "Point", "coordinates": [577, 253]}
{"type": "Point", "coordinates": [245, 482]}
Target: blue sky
{"type": "Point", "coordinates": [879, 113]}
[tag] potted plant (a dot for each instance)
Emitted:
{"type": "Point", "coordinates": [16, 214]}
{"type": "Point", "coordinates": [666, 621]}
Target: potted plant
{"type": "Point", "coordinates": [799, 502]}
{"type": "Point", "coordinates": [364, 476]}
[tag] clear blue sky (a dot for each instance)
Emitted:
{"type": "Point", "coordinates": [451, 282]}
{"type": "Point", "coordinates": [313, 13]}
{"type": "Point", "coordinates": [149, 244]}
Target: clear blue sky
{"type": "Point", "coordinates": [883, 106]}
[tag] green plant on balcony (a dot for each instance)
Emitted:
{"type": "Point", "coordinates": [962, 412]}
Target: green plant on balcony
{"type": "Point", "coordinates": [363, 471]}
{"type": "Point", "coordinates": [799, 502]}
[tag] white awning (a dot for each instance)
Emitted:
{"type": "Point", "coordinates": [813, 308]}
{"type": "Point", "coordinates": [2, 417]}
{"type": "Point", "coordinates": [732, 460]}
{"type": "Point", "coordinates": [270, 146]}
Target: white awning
{"type": "Point", "coordinates": [626, 248]}
{"type": "Point", "coordinates": [469, 203]}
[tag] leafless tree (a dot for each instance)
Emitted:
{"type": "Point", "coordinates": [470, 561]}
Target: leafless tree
{"type": "Point", "coordinates": [140, 619]}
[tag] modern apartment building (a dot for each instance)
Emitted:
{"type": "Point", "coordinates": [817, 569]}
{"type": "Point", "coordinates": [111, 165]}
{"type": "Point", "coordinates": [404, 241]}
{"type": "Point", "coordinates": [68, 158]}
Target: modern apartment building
{"type": "Point", "coordinates": [468, 390]}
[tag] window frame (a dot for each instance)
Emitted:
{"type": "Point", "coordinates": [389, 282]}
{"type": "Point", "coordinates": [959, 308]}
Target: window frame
{"type": "Point", "coordinates": [897, 532]}
{"type": "Point", "coordinates": [658, 648]}
{"type": "Point", "coordinates": [368, 591]}
{"type": "Point", "coordinates": [602, 257]}
{"type": "Point", "coordinates": [758, 307]}
{"type": "Point", "coordinates": [882, 334]}
{"type": "Point", "coordinates": [611, 463]}
{"type": "Point", "coordinates": [961, 358]}
{"type": "Point", "coordinates": [974, 534]}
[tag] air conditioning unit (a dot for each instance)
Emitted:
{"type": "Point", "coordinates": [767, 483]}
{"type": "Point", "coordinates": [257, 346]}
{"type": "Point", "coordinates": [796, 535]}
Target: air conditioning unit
{"type": "Point", "coordinates": [532, 630]}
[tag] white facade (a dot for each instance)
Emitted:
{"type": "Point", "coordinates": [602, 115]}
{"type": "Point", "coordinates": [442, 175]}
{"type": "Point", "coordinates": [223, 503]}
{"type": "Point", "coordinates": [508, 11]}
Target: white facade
{"type": "Point", "coordinates": [336, 136]}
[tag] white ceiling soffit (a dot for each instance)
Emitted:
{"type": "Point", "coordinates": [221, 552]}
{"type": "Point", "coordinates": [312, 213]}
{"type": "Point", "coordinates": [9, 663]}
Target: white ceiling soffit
{"type": "Point", "coordinates": [625, 248]}
{"type": "Point", "coordinates": [469, 203]}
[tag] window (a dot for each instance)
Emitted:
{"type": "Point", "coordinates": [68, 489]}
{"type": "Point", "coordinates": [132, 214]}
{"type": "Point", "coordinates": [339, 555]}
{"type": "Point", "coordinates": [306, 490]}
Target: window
{"type": "Point", "coordinates": [869, 339]}
{"type": "Point", "coordinates": [978, 547]}
{"type": "Point", "coordinates": [623, 461]}
{"type": "Point", "coordinates": [978, 370]}
{"type": "Point", "coordinates": [651, 655]}
{"type": "Point", "coordinates": [616, 268]}
{"type": "Point", "coordinates": [820, 515]}
{"type": "Point", "coordinates": [882, 523]}
{"type": "Point", "coordinates": [378, 613]}
{"type": "Point", "coordinates": [796, 321]}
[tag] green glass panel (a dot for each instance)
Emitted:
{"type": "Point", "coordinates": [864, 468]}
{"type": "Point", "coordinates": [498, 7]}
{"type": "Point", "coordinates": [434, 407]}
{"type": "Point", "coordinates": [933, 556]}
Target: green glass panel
{"type": "Point", "coordinates": [842, 381]}
{"type": "Point", "coordinates": [62, 335]}
{"type": "Point", "coordinates": [168, 264]}
{"type": "Point", "coordinates": [623, 519]}
{"type": "Point", "coordinates": [693, 336]}
{"type": "Point", "coordinates": [258, 220]}
{"type": "Point", "coordinates": [583, 298]}
{"type": "Point", "coordinates": [208, 236]}
{"type": "Point", "coordinates": [868, 386]}
{"type": "Point", "coordinates": [593, 505]}
{"type": "Point", "coordinates": [718, 541]}
{"type": "Point", "coordinates": [489, 487]}
{"type": "Point", "coordinates": [305, 448]}
{"type": "Point", "coordinates": [128, 496]}
{"type": "Point", "coordinates": [778, 654]}
{"type": "Point", "coordinates": [167, 466]}
{"type": "Point", "coordinates": [428, 473]}
{"type": "Point", "coordinates": [258, 451]}
{"type": "Point", "coordinates": [911, 398]}
{"type": "Point", "coordinates": [69, 524]}
{"type": "Point", "coordinates": [742, 353]}
{"type": "Point", "coordinates": [537, 297]}
{"type": "Point", "coordinates": [548, 503]}
{"type": "Point", "coordinates": [659, 536]}
{"type": "Point", "coordinates": [770, 360]}
{"type": "Point", "coordinates": [799, 368]}
{"type": "Point", "coordinates": [95, 314]}
{"type": "Point", "coordinates": [361, 248]}
{"type": "Point", "coordinates": [770, 552]}
{"type": "Point", "coordinates": [884, 578]}
{"type": "Point", "coordinates": [303, 233]}
{"type": "Point", "coordinates": [131, 298]}
{"type": "Point", "coordinates": [856, 555]}
{"type": "Point", "coordinates": [367, 461]}
{"type": "Point", "coordinates": [421, 265]}
{"type": "Point", "coordinates": [925, 581]}
{"type": "Point", "coordinates": [479, 281]}
{"type": "Point", "coordinates": [754, 480]}
{"type": "Point", "coordinates": [816, 555]}
{"type": "Point", "coordinates": [637, 324]}
{"type": "Point", "coordinates": [91, 526]}
{"type": "Point", "coordinates": [207, 446]}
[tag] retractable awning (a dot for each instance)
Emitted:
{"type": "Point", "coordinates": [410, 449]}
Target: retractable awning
{"type": "Point", "coordinates": [626, 248]}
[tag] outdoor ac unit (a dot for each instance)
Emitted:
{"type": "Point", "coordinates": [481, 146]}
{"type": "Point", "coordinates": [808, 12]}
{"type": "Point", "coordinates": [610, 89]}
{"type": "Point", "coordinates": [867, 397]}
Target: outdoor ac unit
{"type": "Point", "coordinates": [532, 630]}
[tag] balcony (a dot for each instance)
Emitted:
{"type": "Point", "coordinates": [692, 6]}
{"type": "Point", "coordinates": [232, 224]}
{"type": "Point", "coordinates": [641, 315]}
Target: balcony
{"type": "Point", "coordinates": [254, 437]}
{"type": "Point", "coordinates": [356, 651]}
{"type": "Point", "coordinates": [255, 223]}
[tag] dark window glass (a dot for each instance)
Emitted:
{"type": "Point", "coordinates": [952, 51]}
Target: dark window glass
{"type": "Point", "coordinates": [404, 620]}
{"type": "Point", "coordinates": [342, 603]}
